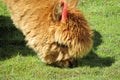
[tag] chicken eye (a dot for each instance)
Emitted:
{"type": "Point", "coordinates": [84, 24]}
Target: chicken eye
{"type": "Point", "coordinates": [62, 4]}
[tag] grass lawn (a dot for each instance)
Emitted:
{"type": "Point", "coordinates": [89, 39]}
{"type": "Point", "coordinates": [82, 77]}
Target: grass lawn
{"type": "Point", "coordinates": [17, 62]}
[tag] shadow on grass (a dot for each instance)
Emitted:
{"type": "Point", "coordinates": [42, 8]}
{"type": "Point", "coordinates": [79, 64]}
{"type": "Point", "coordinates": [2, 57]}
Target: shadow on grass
{"type": "Point", "coordinates": [11, 40]}
{"type": "Point", "coordinates": [92, 59]}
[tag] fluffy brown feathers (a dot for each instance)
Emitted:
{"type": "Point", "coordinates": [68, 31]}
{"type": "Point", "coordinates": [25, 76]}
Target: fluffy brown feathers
{"type": "Point", "coordinates": [56, 42]}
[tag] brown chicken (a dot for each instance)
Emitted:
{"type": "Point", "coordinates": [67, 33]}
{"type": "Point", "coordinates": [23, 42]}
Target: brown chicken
{"type": "Point", "coordinates": [54, 29]}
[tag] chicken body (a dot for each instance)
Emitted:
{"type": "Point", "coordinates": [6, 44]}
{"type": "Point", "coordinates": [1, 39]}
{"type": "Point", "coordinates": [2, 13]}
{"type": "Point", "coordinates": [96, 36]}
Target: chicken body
{"type": "Point", "coordinates": [55, 42]}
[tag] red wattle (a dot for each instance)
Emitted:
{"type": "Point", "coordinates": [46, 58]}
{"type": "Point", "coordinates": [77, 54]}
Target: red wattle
{"type": "Point", "coordinates": [64, 12]}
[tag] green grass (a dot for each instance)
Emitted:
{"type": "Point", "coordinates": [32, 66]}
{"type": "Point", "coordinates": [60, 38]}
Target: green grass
{"type": "Point", "coordinates": [17, 62]}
